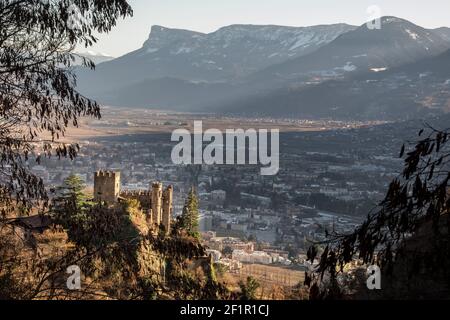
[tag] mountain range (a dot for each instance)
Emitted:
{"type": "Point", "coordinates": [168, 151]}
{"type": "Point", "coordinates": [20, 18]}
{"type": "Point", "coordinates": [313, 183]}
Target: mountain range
{"type": "Point", "coordinates": [312, 72]}
{"type": "Point", "coordinates": [229, 53]}
{"type": "Point", "coordinates": [410, 91]}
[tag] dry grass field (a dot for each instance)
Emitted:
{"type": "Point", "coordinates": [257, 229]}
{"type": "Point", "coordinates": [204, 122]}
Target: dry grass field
{"type": "Point", "coordinates": [275, 282]}
{"type": "Point", "coordinates": [123, 121]}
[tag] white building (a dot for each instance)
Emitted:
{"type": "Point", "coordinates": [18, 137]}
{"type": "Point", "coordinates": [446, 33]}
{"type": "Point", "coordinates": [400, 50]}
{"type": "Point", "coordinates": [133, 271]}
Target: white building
{"type": "Point", "coordinates": [254, 257]}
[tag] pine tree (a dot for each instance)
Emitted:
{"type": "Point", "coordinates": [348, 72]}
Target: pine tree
{"type": "Point", "coordinates": [190, 216]}
{"type": "Point", "coordinates": [248, 289]}
{"type": "Point", "coordinates": [74, 186]}
{"type": "Point", "coordinates": [71, 203]}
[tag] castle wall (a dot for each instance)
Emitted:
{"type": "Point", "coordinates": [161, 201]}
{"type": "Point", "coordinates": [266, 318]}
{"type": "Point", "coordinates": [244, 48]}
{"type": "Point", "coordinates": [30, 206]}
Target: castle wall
{"type": "Point", "coordinates": [155, 203]}
{"type": "Point", "coordinates": [144, 197]}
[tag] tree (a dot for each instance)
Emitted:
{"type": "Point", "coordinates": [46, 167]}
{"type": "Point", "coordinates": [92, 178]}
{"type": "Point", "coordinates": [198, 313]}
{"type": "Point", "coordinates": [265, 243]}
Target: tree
{"type": "Point", "coordinates": [248, 289]}
{"type": "Point", "coordinates": [73, 186]}
{"type": "Point", "coordinates": [407, 235]}
{"type": "Point", "coordinates": [190, 215]}
{"type": "Point", "coordinates": [38, 102]}
{"type": "Point", "coordinates": [38, 96]}
{"type": "Point", "coordinates": [70, 207]}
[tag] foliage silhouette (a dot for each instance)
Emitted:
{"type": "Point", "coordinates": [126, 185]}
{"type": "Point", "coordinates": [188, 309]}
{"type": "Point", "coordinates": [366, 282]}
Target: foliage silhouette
{"type": "Point", "coordinates": [407, 234]}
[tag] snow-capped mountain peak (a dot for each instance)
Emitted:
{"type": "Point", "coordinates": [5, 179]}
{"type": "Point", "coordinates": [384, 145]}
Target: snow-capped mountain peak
{"type": "Point", "coordinates": [235, 50]}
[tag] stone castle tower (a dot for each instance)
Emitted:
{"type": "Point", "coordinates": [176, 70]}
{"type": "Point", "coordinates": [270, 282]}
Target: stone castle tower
{"type": "Point", "coordinates": [167, 208]}
{"type": "Point", "coordinates": [156, 203]}
{"type": "Point", "coordinates": [106, 186]}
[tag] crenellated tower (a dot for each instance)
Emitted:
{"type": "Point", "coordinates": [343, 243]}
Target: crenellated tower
{"type": "Point", "coordinates": [167, 208]}
{"type": "Point", "coordinates": [157, 190]}
{"type": "Point", "coordinates": [107, 186]}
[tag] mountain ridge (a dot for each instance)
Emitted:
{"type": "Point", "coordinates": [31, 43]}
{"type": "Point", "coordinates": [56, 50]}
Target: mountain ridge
{"type": "Point", "coordinates": [364, 48]}
{"type": "Point", "coordinates": [417, 89]}
{"type": "Point", "coordinates": [192, 71]}
{"type": "Point", "coordinates": [216, 56]}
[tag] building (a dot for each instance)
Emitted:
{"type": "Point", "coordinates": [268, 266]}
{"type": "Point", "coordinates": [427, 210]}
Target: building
{"type": "Point", "coordinates": [156, 202]}
{"type": "Point", "coordinates": [205, 222]}
{"type": "Point", "coordinates": [258, 257]}
{"type": "Point", "coordinates": [218, 195]}
{"type": "Point", "coordinates": [230, 264]}
{"type": "Point", "coordinates": [30, 225]}
{"type": "Point", "coordinates": [220, 243]}
{"type": "Point", "coordinates": [106, 186]}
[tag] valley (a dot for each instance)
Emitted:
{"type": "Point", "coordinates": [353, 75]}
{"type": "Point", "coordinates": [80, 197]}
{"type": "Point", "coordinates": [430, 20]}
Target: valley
{"type": "Point", "coordinates": [117, 121]}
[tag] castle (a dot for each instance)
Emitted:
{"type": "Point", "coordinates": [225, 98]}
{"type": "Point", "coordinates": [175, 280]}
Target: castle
{"type": "Point", "coordinates": [156, 203]}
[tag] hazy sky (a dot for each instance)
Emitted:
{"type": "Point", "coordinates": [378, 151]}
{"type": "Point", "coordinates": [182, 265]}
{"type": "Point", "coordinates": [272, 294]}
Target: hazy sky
{"type": "Point", "coordinates": [209, 15]}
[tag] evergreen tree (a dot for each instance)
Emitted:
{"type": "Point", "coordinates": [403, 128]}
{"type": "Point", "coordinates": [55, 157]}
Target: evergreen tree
{"type": "Point", "coordinates": [74, 186]}
{"type": "Point", "coordinates": [71, 203]}
{"type": "Point", "coordinates": [248, 289]}
{"type": "Point", "coordinates": [190, 216]}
